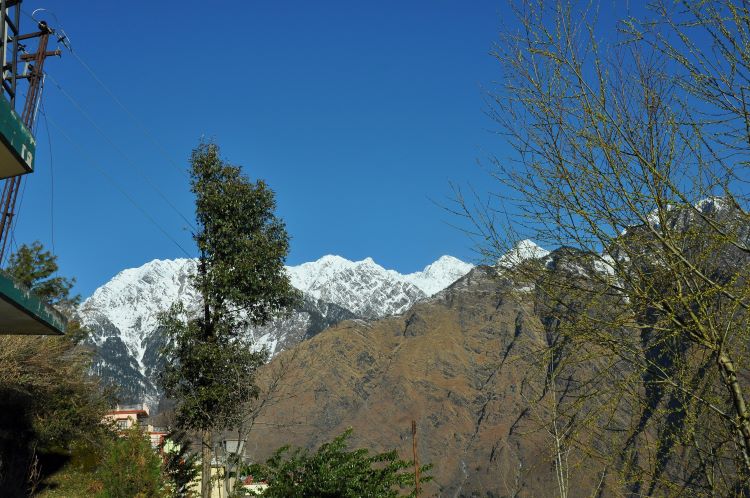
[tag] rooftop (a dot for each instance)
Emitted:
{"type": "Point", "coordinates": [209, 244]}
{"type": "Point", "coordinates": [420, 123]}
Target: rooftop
{"type": "Point", "coordinates": [23, 313]}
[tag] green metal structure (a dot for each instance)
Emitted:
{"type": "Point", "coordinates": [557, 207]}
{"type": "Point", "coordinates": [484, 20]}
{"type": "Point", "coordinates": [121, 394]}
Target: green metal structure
{"type": "Point", "coordinates": [22, 312]}
{"type": "Point", "coordinates": [18, 144]}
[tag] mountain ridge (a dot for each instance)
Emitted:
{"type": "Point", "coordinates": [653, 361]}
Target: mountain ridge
{"type": "Point", "coordinates": [123, 313]}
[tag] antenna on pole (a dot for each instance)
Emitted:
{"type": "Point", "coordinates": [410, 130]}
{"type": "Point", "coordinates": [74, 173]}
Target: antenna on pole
{"type": "Point", "coordinates": [19, 140]}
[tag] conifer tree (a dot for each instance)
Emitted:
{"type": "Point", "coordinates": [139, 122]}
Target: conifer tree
{"type": "Point", "coordinates": [241, 279]}
{"type": "Point", "coordinates": [36, 268]}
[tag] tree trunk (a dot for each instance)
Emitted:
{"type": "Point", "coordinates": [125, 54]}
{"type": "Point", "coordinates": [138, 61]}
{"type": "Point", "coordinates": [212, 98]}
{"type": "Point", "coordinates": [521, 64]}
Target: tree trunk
{"type": "Point", "coordinates": [738, 399]}
{"type": "Point", "coordinates": [206, 455]}
{"type": "Point", "coordinates": [232, 465]}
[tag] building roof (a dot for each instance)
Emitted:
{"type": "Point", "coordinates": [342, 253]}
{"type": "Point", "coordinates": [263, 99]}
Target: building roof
{"type": "Point", "coordinates": [23, 313]}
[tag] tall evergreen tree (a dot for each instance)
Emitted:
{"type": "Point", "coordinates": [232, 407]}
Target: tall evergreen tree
{"type": "Point", "coordinates": [240, 276]}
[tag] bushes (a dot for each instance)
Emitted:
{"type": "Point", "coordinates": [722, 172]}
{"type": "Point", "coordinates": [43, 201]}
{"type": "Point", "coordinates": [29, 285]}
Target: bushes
{"type": "Point", "coordinates": [127, 466]}
{"type": "Point", "coordinates": [131, 468]}
{"type": "Point", "coordinates": [336, 473]}
{"type": "Point", "coordinates": [47, 399]}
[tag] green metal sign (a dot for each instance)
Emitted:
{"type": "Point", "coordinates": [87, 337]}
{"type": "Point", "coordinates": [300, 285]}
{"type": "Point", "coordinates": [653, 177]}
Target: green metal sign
{"type": "Point", "coordinates": [17, 144]}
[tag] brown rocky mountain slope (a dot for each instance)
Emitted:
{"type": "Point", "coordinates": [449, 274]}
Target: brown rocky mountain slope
{"type": "Point", "coordinates": [452, 364]}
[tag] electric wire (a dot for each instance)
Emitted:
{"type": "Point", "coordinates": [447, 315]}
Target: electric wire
{"type": "Point", "coordinates": [13, 246]}
{"type": "Point", "coordinates": [132, 116]}
{"type": "Point", "coordinates": [14, 221]}
{"type": "Point", "coordinates": [65, 41]}
{"type": "Point", "coordinates": [117, 186]}
{"type": "Point", "coordinates": [16, 208]}
{"type": "Point", "coordinates": [51, 180]}
{"type": "Point", "coordinates": [132, 163]}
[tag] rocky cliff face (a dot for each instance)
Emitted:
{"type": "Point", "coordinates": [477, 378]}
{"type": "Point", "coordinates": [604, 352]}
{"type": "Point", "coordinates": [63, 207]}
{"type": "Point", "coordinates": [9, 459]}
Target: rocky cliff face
{"type": "Point", "coordinates": [123, 313]}
{"type": "Point", "coordinates": [462, 365]}
{"type": "Point", "coordinates": [446, 363]}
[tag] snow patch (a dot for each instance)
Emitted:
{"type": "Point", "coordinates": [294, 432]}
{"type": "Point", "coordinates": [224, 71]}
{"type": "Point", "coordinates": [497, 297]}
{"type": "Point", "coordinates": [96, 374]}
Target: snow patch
{"type": "Point", "coordinates": [712, 205]}
{"type": "Point", "coordinates": [438, 275]}
{"type": "Point", "coordinates": [522, 251]}
{"type": "Point", "coordinates": [605, 265]}
{"type": "Point", "coordinates": [133, 299]}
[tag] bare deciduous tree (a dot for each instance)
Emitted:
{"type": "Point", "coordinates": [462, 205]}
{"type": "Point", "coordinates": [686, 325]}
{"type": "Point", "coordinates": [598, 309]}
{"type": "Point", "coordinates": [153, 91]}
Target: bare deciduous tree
{"type": "Point", "coordinates": [631, 153]}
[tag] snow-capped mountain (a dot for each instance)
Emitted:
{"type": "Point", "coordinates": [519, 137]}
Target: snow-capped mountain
{"type": "Point", "coordinates": [522, 251]}
{"type": "Point", "coordinates": [122, 314]}
{"type": "Point", "coordinates": [132, 300]}
{"type": "Point", "coordinates": [369, 290]}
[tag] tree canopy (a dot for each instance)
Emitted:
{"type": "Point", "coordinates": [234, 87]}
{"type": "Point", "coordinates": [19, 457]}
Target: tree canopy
{"type": "Point", "coordinates": [241, 279]}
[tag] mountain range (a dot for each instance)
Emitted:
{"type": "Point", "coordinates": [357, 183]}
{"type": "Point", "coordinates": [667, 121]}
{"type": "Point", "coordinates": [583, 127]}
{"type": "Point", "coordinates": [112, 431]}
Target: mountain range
{"type": "Point", "coordinates": [122, 314]}
{"type": "Point", "coordinates": [448, 364]}
{"type": "Point", "coordinates": [469, 368]}
{"type": "Point", "coordinates": [455, 351]}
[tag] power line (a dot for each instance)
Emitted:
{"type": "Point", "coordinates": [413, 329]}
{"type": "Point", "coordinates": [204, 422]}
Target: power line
{"type": "Point", "coordinates": [132, 116]}
{"type": "Point", "coordinates": [52, 181]}
{"type": "Point", "coordinates": [132, 163]}
{"type": "Point", "coordinates": [35, 79]}
{"type": "Point", "coordinates": [63, 38]}
{"type": "Point", "coordinates": [117, 186]}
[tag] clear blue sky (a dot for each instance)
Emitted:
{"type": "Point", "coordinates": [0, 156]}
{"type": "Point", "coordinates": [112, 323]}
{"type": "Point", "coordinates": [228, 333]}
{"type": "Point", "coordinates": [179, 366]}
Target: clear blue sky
{"type": "Point", "coordinates": [358, 114]}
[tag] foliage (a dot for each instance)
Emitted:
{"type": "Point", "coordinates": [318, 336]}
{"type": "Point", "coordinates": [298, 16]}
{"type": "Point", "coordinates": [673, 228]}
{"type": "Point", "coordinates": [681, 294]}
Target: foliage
{"type": "Point", "coordinates": [51, 373]}
{"type": "Point", "coordinates": [334, 472]}
{"type": "Point", "coordinates": [48, 399]}
{"type": "Point", "coordinates": [180, 464]}
{"type": "Point", "coordinates": [634, 156]}
{"type": "Point", "coordinates": [131, 468]}
{"type": "Point", "coordinates": [241, 280]}
{"type": "Point", "coordinates": [211, 378]}
{"type": "Point", "coordinates": [68, 482]}
{"type": "Point", "coordinates": [45, 380]}
{"type": "Point", "coordinates": [242, 246]}
{"type": "Point", "coordinates": [34, 267]}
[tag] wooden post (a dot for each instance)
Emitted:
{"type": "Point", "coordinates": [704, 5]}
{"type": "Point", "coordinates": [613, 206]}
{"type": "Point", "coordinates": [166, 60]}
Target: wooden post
{"type": "Point", "coordinates": [416, 459]}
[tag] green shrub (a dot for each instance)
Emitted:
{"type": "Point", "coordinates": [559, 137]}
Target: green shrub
{"type": "Point", "coordinates": [131, 468]}
{"type": "Point", "coordinates": [333, 472]}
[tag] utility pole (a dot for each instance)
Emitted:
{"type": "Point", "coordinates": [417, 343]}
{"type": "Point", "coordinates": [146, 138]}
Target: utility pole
{"type": "Point", "coordinates": [416, 459]}
{"type": "Point", "coordinates": [34, 73]}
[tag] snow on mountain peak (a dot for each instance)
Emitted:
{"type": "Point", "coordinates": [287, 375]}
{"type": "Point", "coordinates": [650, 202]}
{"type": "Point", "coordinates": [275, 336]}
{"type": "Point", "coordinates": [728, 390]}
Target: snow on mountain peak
{"type": "Point", "coordinates": [133, 299]}
{"type": "Point", "coordinates": [123, 313]}
{"type": "Point", "coordinates": [319, 279]}
{"type": "Point", "coordinates": [439, 275]}
{"type": "Point", "coordinates": [711, 205]}
{"type": "Point", "coordinates": [523, 250]}
{"type": "Point", "coordinates": [369, 290]}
